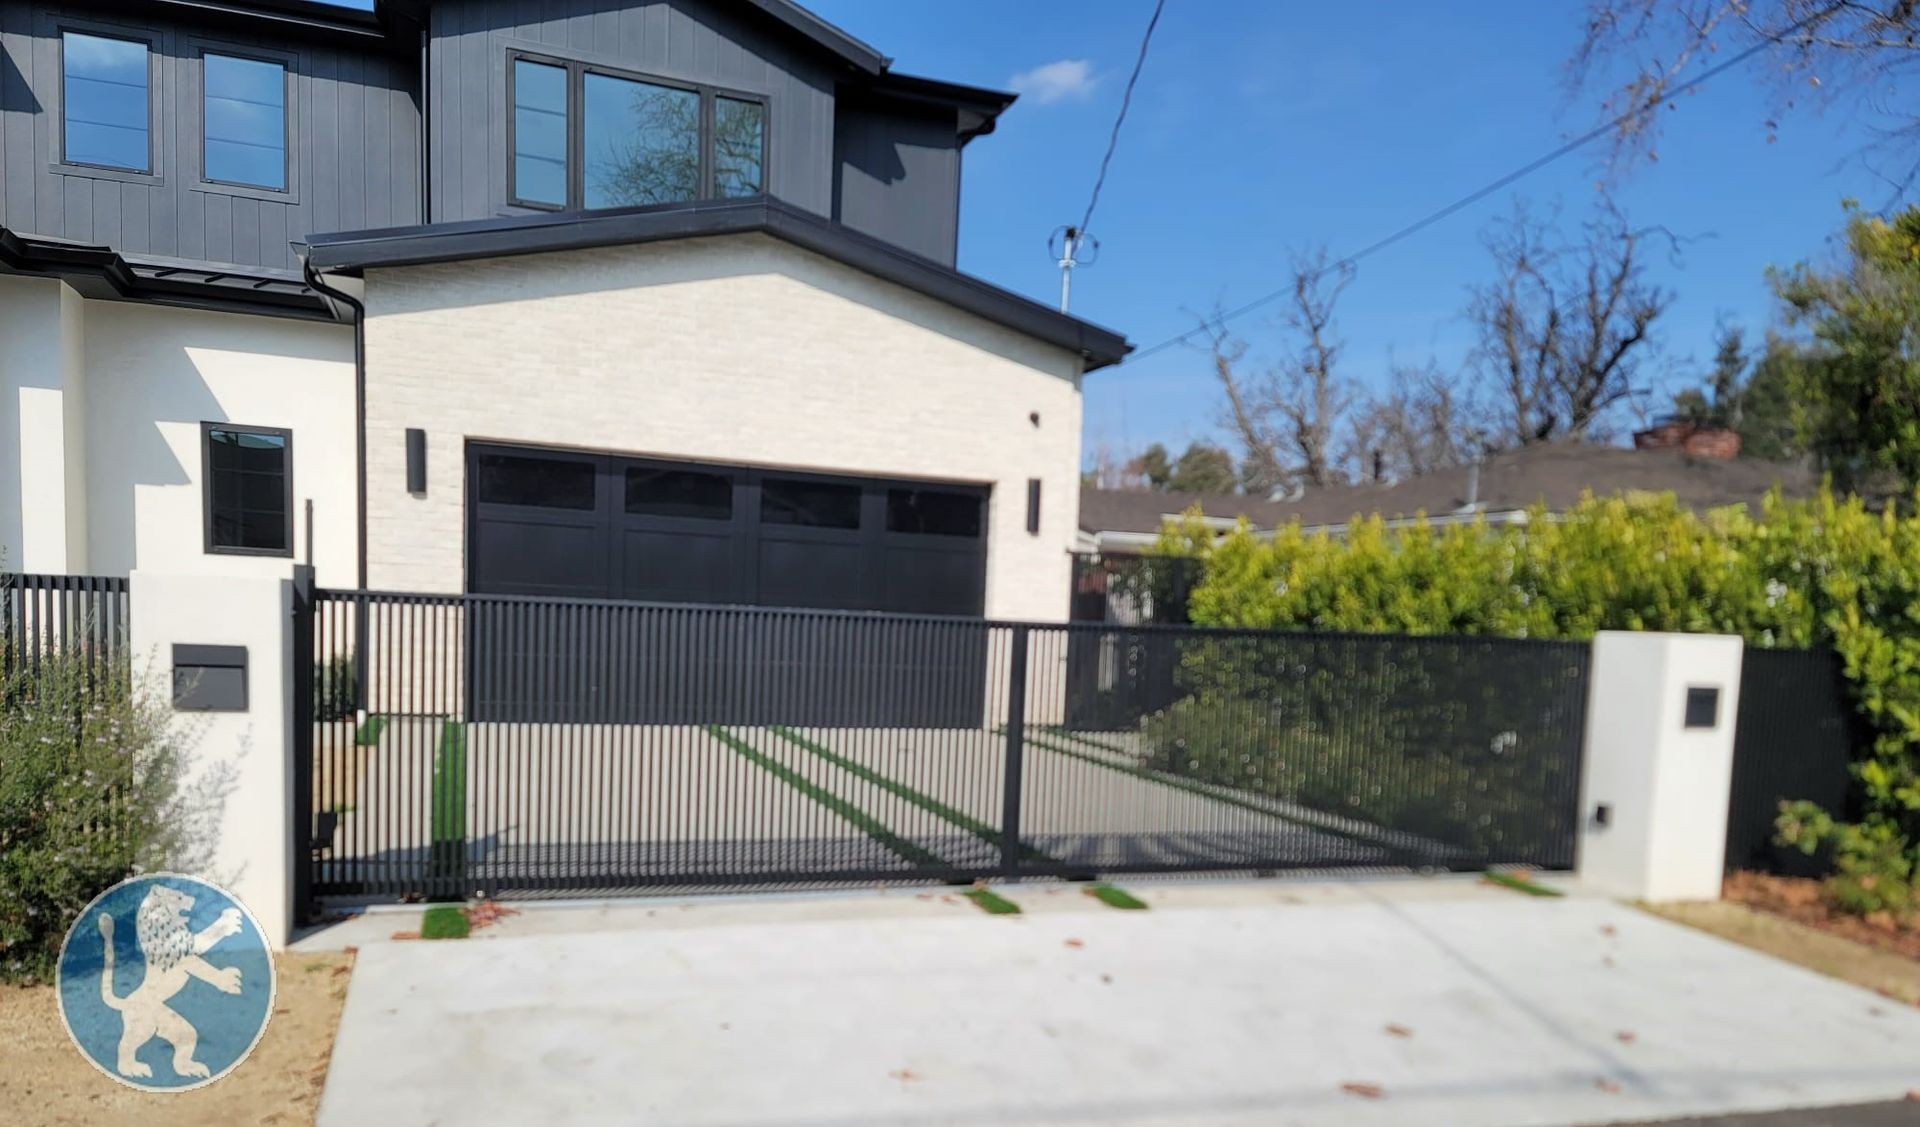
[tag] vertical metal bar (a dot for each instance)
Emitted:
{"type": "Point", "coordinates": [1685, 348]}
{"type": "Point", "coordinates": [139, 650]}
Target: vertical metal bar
{"type": "Point", "coordinates": [1016, 737]}
{"type": "Point", "coordinates": [301, 639]}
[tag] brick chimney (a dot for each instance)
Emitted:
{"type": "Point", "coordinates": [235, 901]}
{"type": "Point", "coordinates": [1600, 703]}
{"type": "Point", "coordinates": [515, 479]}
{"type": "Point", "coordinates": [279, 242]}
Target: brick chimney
{"type": "Point", "coordinates": [1717, 443]}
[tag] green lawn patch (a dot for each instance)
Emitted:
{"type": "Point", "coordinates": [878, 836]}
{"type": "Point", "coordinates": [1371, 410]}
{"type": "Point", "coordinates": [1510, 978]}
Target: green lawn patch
{"type": "Point", "coordinates": [1089, 741]}
{"type": "Point", "coordinates": [445, 921]}
{"type": "Point", "coordinates": [368, 734]}
{"type": "Point", "coordinates": [1518, 883]}
{"type": "Point", "coordinates": [991, 902]}
{"type": "Point", "coordinates": [907, 850]}
{"type": "Point", "coordinates": [1115, 897]}
{"type": "Point", "coordinates": [925, 802]}
{"type": "Point", "coordinates": [449, 801]}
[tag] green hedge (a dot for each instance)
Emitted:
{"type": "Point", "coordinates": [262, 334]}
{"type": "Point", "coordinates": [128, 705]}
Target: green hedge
{"type": "Point", "coordinates": [89, 795]}
{"type": "Point", "coordinates": [1821, 572]}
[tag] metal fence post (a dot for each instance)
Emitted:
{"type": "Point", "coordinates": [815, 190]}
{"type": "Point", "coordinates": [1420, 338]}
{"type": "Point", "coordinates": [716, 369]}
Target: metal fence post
{"type": "Point", "coordinates": [300, 638]}
{"type": "Point", "coordinates": [1016, 736]}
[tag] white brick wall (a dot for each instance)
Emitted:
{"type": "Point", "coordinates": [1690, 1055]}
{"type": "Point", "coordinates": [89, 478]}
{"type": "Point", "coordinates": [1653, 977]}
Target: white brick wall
{"type": "Point", "coordinates": [737, 349]}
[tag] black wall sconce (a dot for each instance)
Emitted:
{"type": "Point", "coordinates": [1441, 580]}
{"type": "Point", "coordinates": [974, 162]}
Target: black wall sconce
{"type": "Point", "coordinates": [1033, 505]}
{"type": "Point", "coordinates": [416, 460]}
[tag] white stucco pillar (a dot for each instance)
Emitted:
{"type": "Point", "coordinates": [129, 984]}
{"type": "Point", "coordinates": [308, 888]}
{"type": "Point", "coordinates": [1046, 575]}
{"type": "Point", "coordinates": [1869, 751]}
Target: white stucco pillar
{"type": "Point", "coordinates": [43, 406]}
{"type": "Point", "coordinates": [187, 624]}
{"type": "Point", "coordinates": [1658, 769]}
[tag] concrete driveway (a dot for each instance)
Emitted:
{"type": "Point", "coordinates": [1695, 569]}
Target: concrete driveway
{"type": "Point", "coordinates": [1394, 1002]}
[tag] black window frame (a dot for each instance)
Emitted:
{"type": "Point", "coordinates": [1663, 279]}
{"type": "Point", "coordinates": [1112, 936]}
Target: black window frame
{"type": "Point", "coordinates": [289, 71]}
{"type": "Point", "coordinates": [148, 40]}
{"type": "Point", "coordinates": [576, 124]}
{"type": "Point", "coordinates": [206, 489]}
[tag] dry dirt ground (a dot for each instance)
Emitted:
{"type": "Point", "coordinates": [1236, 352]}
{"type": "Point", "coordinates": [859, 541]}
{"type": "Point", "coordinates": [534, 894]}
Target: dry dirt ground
{"type": "Point", "coordinates": [45, 1080]}
{"type": "Point", "coordinates": [1887, 973]}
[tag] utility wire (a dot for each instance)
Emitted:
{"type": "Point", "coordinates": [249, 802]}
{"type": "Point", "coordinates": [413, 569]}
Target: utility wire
{"type": "Point", "coordinates": [1126, 99]}
{"type": "Point", "coordinates": [1482, 193]}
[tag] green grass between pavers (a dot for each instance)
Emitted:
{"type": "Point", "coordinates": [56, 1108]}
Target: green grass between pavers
{"type": "Point", "coordinates": [445, 921]}
{"type": "Point", "coordinates": [368, 734]}
{"type": "Point", "coordinates": [449, 798]}
{"type": "Point", "coordinates": [1076, 737]}
{"type": "Point", "coordinates": [1115, 897]}
{"type": "Point", "coordinates": [1518, 883]}
{"type": "Point", "coordinates": [991, 902]}
{"type": "Point", "coordinates": [925, 802]}
{"type": "Point", "coordinates": [1205, 791]}
{"type": "Point", "coordinates": [866, 822]}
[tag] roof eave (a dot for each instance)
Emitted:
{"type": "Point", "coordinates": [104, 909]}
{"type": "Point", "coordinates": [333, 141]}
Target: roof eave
{"type": "Point", "coordinates": [356, 251]}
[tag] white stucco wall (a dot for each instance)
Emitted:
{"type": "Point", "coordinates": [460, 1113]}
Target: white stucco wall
{"type": "Point", "coordinates": [740, 349]}
{"type": "Point", "coordinates": [107, 399]}
{"type": "Point", "coordinates": [1665, 786]}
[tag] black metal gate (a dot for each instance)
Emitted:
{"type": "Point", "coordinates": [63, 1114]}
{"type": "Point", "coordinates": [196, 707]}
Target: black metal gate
{"type": "Point", "coordinates": [713, 746]}
{"type": "Point", "coordinates": [1793, 740]}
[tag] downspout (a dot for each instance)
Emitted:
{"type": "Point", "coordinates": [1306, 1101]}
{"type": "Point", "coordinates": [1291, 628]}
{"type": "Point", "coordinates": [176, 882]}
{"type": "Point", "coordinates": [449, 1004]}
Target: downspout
{"type": "Point", "coordinates": [359, 410]}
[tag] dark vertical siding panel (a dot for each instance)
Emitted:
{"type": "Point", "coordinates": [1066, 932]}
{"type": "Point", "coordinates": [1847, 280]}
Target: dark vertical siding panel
{"type": "Point", "coordinates": [17, 105]}
{"type": "Point", "coordinates": [351, 129]}
{"type": "Point", "coordinates": [105, 205]}
{"type": "Point", "coordinates": [475, 94]}
{"type": "Point", "coordinates": [275, 250]}
{"type": "Point", "coordinates": [219, 224]}
{"type": "Point", "coordinates": [246, 230]}
{"type": "Point", "coordinates": [50, 214]}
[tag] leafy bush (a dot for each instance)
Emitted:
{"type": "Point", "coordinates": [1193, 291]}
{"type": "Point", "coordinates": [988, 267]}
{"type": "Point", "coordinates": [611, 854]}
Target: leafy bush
{"type": "Point", "coordinates": [1826, 571]}
{"type": "Point", "coordinates": [89, 794]}
{"type": "Point", "coordinates": [1872, 869]}
{"type": "Point", "coordinates": [336, 689]}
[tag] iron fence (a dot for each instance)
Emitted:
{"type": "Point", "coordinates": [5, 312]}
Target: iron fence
{"type": "Point", "coordinates": [79, 615]}
{"type": "Point", "coordinates": [499, 744]}
{"type": "Point", "coordinates": [1794, 739]}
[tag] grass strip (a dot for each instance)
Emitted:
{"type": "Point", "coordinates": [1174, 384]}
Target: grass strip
{"type": "Point", "coordinates": [931, 805]}
{"type": "Point", "coordinates": [1205, 791]}
{"type": "Point", "coordinates": [445, 921]}
{"type": "Point", "coordinates": [1115, 897]}
{"type": "Point", "coordinates": [368, 734]}
{"type": "Point", "coordinates": [1518, 883]}
{"type": "Point", "coordinates": [860, 818]}
{"type": "Point", "coordinates": [449, 813]}
{"type": "Point", "coordinates": [991, 902]}
{"type": "Point", "coordinates": [1076, 737]}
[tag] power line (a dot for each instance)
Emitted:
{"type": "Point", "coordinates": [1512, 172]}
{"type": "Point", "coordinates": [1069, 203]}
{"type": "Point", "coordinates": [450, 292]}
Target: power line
{"type": "Point", "coordinates": [1489, 189]}
{"type": "Point", "coordinates": [1126, 99]}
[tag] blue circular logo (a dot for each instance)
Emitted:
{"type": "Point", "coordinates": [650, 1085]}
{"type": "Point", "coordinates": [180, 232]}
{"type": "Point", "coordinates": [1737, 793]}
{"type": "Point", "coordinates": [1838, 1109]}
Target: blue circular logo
{"type": "Point", "coordinates": [165, 982]}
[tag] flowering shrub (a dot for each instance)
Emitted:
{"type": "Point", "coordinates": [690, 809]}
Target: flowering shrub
{"type": "Point", "coordinates": [1822, 572]}
{"type": "Point", "coordinates": [89, 794]}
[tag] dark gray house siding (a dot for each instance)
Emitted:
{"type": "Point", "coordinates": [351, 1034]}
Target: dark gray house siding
{"type": "Point", "coordinates": [897, 177]}
{"type": "Point", "coordinates": [704, 43]}
{"type": "Point", "coordinates": [353, 145]}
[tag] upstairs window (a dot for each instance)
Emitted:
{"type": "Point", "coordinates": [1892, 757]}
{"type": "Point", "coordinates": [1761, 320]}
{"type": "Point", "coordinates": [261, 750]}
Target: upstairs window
{"type": "Point", "coordinates": [539, 134]}
{"type": "Point", "coordinates": [249, 490]}
{"type": "Point", "coordinates": [105, 100]}
{"type": "Point", "coordinates": [587, 138]}
{"type": "Point", "coordinates": [244, 117]}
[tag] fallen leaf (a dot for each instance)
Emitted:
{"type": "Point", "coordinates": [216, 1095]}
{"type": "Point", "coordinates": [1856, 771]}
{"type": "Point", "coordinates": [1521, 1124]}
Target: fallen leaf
{"type": "Point", "coordinates": [1106, 979]}
{"type": "Point", "coordinates": [1076, 943]}
{"type": "Point", "coordinates": [1606, 1085]}
{"type": "Point", "coordinates": [904, 1074]}
{"type": "Point", "coordinates": [405, 935]}
{"type": "Point", "coordinates": [338, 971]}
{"type": "Point", "coordinates": [1397, 1030]}
{"type": "Point", "coordinates": [282, 1010]}
{"type": "Point", "coordinates": [1608, 930]}
{"type": "Point", "coordinates": [1607, 961]}
{"type": "Point", "coordinates": [1364, 1090]}
{"type": "Point", "coordinates": [353, 951]}
{"type": "Point", "coordinates": [1625, 1037]}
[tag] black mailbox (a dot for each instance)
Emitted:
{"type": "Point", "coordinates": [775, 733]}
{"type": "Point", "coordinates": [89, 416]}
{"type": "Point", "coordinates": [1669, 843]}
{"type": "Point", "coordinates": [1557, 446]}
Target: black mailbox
{"type": "Point", "coordinates": [210, 678]}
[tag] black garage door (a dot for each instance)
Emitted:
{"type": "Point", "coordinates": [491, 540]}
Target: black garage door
{"type": "Point", "coordinates": [582, 525]}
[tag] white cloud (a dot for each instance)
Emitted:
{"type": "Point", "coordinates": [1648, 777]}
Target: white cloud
{"type": "Point", "coordinates": [1059, 81]}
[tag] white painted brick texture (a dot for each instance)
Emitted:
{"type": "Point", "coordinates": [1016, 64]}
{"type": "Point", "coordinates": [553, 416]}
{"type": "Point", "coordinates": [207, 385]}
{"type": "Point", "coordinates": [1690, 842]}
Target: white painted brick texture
{"type": "Point", "coordinates": [736, 349]}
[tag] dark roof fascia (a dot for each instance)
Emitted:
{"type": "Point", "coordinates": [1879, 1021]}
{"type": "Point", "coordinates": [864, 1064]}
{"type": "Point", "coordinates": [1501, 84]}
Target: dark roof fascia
{"type": "Point", "coordinates": [354, 251]}
{"type": "Point", "coordinates": [978, 108]}
{"type": "Point", "coordinates": [101, 273]}
{"type": "Point", "coordinates": [389, 27]}
{"type": "Point", "coordinates": [854, 52]}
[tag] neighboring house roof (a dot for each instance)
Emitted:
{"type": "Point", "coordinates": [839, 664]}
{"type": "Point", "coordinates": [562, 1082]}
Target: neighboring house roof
{"type": "Point", "coordinates": [354, 251]}
{"type": "Point", "coordinates": [1554, 474]}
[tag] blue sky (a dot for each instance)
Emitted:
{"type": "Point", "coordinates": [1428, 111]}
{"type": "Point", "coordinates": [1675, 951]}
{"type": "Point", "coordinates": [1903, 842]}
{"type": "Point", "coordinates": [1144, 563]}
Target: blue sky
{"type": "Point", "coordinates": [1260, 128]}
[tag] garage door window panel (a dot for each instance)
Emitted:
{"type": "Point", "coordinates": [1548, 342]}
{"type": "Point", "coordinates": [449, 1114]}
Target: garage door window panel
{"type": "Point", "coordinates": [810, 504]}
{"type": "Point", "coordinates": [534, 482]}
{"type": "Point", "coordinates": [683, 494]}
